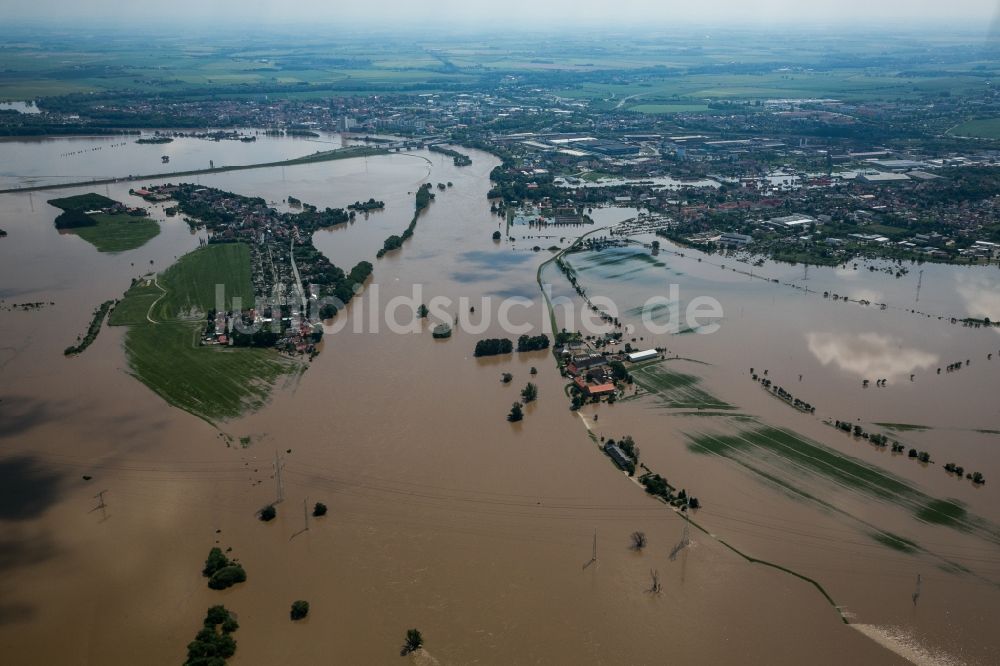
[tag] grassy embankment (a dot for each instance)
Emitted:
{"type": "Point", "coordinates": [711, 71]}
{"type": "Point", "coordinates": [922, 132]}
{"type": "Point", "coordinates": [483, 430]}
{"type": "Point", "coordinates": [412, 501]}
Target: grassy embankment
{"type": "Point", "coordinates": [166, 319]}
{"type": "Point", "coordinates": [107, 233]}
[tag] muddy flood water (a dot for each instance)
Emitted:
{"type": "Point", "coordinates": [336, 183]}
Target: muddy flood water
{"type": "Point", "coordinates": [481, 533]}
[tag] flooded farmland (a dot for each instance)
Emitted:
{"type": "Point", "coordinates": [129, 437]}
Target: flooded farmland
{"type": "Point", "coordinates": [444, 516]}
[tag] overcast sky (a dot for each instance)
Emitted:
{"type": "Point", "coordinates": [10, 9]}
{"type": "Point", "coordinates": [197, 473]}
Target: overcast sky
{"type": "Point", "coordinates": [488, 13]}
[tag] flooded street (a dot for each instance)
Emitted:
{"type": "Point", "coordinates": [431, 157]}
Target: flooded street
{"type": "Point", "coordinates": [443, 515]}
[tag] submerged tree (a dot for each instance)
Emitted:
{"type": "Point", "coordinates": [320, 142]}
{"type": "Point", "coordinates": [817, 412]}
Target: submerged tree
{"type": "Point", "coordinates": [516, 413]}
{"type": "Point", "coordinates": [414, 641]}
{"type": "Point", "coordinates": [299, 610]}
{"type": "Point", "coordinates": [227, 577]}
{"type": "Point", "coordinates": [638, 540]}
{"type": "Point", "coordinates": [214, 643]}
{"type": "Point", "coordinates": [529, 393]}
{"type": "Point", "coordinates": [216, 560]}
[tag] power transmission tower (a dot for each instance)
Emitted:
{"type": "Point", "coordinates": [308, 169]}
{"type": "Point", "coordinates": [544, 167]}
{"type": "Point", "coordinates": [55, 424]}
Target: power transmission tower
{"type": "Point", "coordinates": [279, 488]}
{"type": "Point", "coordinates": [683, 543]}
{"type": "Point", "coordinates": [593, 556]}
{"type": "Point", "coordinates": [101, 505]}
{"type": "Point", "coordinates": [305, 517]}
{"type": "Point", "coordinates": [655, 587]}
{"type": "Point", "coordinates": [916, 591]}
{"type": "Point", "coordinates": [920, 281]}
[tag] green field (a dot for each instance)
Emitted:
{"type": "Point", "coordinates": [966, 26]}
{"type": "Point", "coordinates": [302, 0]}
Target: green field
{"type": "Point", "coordinates": [308, 63]}
{"type": "Point", "coordinates": [191, 282]}
{"type": "Point", "coordinates": [118, 233]}
{"type": "Point", "coordinates": [658, 109]}
{"type": "Point", "coordinates": [133, 308]}
{"type": "Point", "coordinates": [111, 233]}
{"type": "Point", "coordinates": [214, 383]}
{"type": "Point", "coordinates": [843, 84]}
{"type": "Point", "coordinates": [984, 128]}
{"type": "Point", "coordinates": [87, 201]}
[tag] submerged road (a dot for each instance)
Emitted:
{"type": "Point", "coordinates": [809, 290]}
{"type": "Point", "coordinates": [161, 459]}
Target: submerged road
{"type": "Point", "coordinates": [338, 154]}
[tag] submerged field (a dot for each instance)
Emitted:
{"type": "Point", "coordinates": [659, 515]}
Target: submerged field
{"type": "Point", "coordinates": [165, 316]}
{"type": "Point", "coordinates": [809, 471]}
{"type": "Point", "coordinates": [676, 389]}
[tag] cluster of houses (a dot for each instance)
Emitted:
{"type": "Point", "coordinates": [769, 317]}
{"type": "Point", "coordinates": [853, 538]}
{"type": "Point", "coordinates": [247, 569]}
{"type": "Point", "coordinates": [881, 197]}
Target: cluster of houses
{"type": "Point", "coordinates": [805, 229]}
{"type": "Point", "coordinates": [286, 284]}
{"type": "Point", "coordinates": [295, 337]}
{"type": "Point", "coordinates": [592, 373]}
{"type": "Point", "coordinates": [118, 208]}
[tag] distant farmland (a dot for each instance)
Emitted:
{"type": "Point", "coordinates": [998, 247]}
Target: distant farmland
{"type": "Point", "coordinates": [984, 128]}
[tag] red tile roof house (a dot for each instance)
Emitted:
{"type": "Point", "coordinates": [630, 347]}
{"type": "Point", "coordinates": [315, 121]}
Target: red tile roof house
{"type": "Point", "coordinates": [593, 389]}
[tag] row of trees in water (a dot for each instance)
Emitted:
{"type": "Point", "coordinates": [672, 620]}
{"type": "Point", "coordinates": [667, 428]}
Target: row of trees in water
{"type": "Point", "coordinates": [881, 441]}
{"type": "Point", "coordinates": [499, 346]}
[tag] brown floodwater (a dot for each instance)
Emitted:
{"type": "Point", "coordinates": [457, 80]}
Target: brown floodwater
{"type": "Point", "coordinates": [443, 516]}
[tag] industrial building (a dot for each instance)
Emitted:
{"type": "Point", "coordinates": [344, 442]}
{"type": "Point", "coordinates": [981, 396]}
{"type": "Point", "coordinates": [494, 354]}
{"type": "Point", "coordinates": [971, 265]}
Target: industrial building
{"type": "Point", "coordinates": [618, 456]}
{"type": "Point", "coordinates": [883, 177]}
{"type": "Point", "coordinates": [612, 148]}
{"type": "Point", "coordinates": [730, 238]}
{"type": "Point", "coordinates": [790, 221]}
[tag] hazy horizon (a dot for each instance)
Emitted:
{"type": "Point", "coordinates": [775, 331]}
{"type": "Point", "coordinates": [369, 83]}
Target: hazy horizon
{"type": "Point", "coordinates": [552, 15]}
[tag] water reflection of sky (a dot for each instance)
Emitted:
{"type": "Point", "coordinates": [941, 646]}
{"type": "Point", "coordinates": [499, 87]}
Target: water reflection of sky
{"type": "Point", "coordinates": [979, 295]}
{"type": "Point", "coordinates": [869, 355]}
{"type": "Point", "coordinates": [485, 266]}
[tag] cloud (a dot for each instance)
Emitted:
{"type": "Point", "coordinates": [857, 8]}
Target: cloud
{"type": "Point", "coordinates": [869, 355]}
{"type": "Point", "coordinates": [980, 295]}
